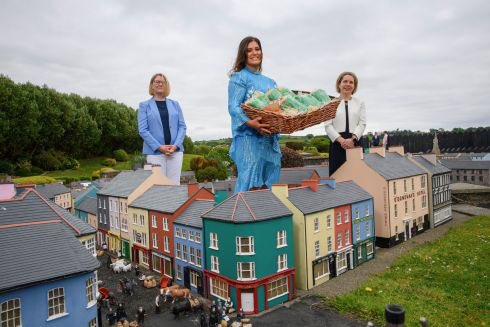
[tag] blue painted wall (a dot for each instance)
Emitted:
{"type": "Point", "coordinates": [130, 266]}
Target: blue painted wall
{"type": "Point", "coordinates": [34, 303]}
{"type": "Point", "coordinates": [189, 244]}
{"type": "Point", "coordinates": [363, 220]}
{"type": "Point", "coordinates": [81, 214]}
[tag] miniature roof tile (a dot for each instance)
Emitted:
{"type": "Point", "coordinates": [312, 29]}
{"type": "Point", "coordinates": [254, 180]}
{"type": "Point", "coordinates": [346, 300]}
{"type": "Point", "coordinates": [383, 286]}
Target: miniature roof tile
{"type": "Point", "coordinates": [246, 207]}
{"type": "Point", "coordinates": [89, 205]}
{"type": "Point", "coordinates": [433, 169]}
{"type": "Point", "coordinates": [162, 198]}
{"type": "Point", "coordinates": [33, 208]}
{"type": "Point", "coordinates": [125, 183]}
{"type": "Point", "coordinates": [192, 215]}
{"type": "Point", "coordinates": [49, 191]}
{"type": "Point", "coordinates": [309, 201]}
{"type": "Point", "coordinates": [392, 166]}
{"type": "Point", "coordinates": [295, 175]}
{"type": "Point", "coordinates": [466, 164]}
{"type": "Point", "coordinates": [37, 253]}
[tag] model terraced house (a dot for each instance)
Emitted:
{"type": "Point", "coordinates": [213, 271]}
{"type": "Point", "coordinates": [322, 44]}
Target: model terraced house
{"type": "Point", "coordinates": [248, 240]}
{"type": "Point", "coordinates": [323, 229]}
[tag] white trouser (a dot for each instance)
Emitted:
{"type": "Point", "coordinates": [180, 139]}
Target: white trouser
{"type": "Point", "coordinates": [171, 165]}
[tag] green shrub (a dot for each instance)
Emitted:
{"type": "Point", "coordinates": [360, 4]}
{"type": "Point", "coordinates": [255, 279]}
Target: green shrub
{"type": "Point", "coordinates": [291, 158]}
{"type": "Point", "coordinates": [198, 163]}
{"type": "Point", "coordinates": [35, 180]}
{"type": "Point", "coordinates": [138, 160]}
{"type": "Point", "coordinates": [121, 155]}
{"type": "Point", "coordinates": [6, 167]}
{"type": "Point", "coordinates": [71, 163]}
{"type": "Point", "coordinates": [22, 172]}
{"type": "Point", "coordinates": [67, 180]}
{"type": "Point", "coordinates": [295, 145]}
{"type": "Point", "coordinates": [211, 173]}
{"type": "Point", "coordinates": [109, 162]}
{"type": "Point", "coordinates": [96, 174]}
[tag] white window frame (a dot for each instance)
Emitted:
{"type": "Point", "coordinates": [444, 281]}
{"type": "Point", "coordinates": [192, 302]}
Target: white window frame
{"type": "Point", "coordinates": [9, 309]}
{"type": "Point", "coordinates": [215, 264]}
{"type": "Point", "coordinates": [198, 237]}
{"type": "Point", "coordinates": [142, 220]}
{"type": "Point", "coordinates": [194, 277]}
{"type": "Point", "coordinates": [341, 261]}
{"type": "Point", "coordinates": [198, 257]}
{"type": "Point", "coordinates": [178, 232]}
{"type": "Point", "coordinates": [242, 268]}
{"type": "Point", "coordinates": [218, 288]}
{"type": "Point", "coordinates": [346, 216]}
{"type": "Point", "coordinates": [166, 245]}
{"type": "Point", "coordinates": [178, 251]}
{"type": "Point", "coordinates": [213, 241]}
{"type": "Point", "coordinates": [178, 272]}
{"type": "Point", "coordinates": [165, 223]}
{"type": "Point", "coordinates": [241, 248]}
{"type": "Point", "coordinates": [329, 221]}
{"type": "Point", "coordinates": [339, 218]}
{"type": "Point", "coordinates": [135, 219]}
{"type": "Point", "coordinates": [282, 262]}
{"type": "Point", "coordinates": [369, 248]}
{"type": "Point", "coordinates": [154, 221]}
{"type": "Point", "coordinates": [281, 238]}
{"type": "Point", "coordinates": [358, 232]}
{"type": "Point", "coordinates": [191, 235]}
{"type": "Point", "coordinates": [184, 233]}
{"type": "Point", "coordinates": [329, 244]}
{"type": "Point", "coordinates": [154, 237]}
{"type": "Point", "coordinates": [325, 269]}
{"type": "Point", "coordinates": [192, 255]}
{"type": "Point", "coordinates": [317, 249]}
{"type": "Point", "coordinates": [90, 292]}
{"type": "Point", "coordinates": [144, 257]}
{"type": "Point", "coordinates": [339, 240]}
{"type": "Point", "coordinates": [58, 306]}
{"type": "Point", "coordinates": [316, 225]}
{"type": "Point", "coordinates": [277, 288]}
{"type": "Point", "coordinates": [347, 237]}
{"type": "Point", "coordinates": [359, 253]}
{"type": "Point", "coordinates": [368, 229]}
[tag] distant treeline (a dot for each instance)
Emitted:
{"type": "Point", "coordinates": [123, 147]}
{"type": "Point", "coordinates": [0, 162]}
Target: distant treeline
{"type": "Point", "coordinates": [34, 119]}
{"type": "Point", "coordinates": [457, 140]}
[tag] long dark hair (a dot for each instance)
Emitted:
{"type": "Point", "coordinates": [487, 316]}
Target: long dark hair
{"type": "Point", "coordinates": [241, 56]}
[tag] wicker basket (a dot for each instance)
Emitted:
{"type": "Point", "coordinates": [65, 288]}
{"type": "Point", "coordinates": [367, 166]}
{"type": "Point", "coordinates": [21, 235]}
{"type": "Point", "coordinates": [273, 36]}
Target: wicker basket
{"type": "Point", "coordinates": [289, 124]}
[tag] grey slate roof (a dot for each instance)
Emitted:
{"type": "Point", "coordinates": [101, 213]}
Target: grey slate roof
{"type": "Point", "coordinates": [36, 253]}
{"type": "Point", "coordinates": [34, 209]}
{"type": "Point", "coordinates": [309, 201]}
{"type": "Point", "coordinates": [49, 191]}
{"type": "Point", "coordinates": [295, 175]}
{"type": "Point", "coordinates": [434, 169]}
{"type": "Point", "coordinates": [88, 204]}
{"type": "Point", "coordinates": [392, 166]}
{"type": "Point", "coordinates": [466, 164]}
{"type": "Point", "coordinates": [79, 224]}
{"type": "Point", "coordinates": [192, 215]}
{"type": "Point", "coordinates": [125, 183]}
{"type": "Point", "coordinates": [249, 207]}
{"type": "Point", "coordinates": [162, 198]}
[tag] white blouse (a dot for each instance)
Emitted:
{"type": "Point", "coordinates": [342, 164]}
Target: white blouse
{"type": "Point", "coordinates": [357, 119]}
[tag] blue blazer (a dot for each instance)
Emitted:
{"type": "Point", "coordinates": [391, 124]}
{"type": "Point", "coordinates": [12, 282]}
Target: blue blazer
{"type": "Point", "coordinates": [151, 129]}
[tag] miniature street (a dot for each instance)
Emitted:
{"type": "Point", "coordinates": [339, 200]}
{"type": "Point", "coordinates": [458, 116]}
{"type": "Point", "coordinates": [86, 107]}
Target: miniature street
{"type": "Point", "coordinates": [304, 312]}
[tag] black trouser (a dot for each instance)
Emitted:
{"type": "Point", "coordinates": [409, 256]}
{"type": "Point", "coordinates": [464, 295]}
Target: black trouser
{"type": "Point", "coordinates": [337, 154]}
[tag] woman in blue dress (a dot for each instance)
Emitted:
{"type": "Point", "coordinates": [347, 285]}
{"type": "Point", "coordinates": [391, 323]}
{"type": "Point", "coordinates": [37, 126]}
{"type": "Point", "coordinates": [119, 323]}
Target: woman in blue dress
{"type": "Point", "coordinates": [254, 149]}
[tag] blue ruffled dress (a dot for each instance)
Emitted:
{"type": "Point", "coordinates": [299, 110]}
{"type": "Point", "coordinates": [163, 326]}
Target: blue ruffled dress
{"type": "Point", "coordinates": [257, 157]}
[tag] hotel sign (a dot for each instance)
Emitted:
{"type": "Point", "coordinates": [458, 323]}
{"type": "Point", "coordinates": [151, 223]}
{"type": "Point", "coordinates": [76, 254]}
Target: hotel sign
{"type": "Point", "coordinates": [409, 196]}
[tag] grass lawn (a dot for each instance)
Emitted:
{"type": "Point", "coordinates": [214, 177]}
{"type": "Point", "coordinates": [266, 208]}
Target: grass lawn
{"type": "Point", "coordinates": [87, 167]}
{"type": "Point", "coordinates": [446, 281]}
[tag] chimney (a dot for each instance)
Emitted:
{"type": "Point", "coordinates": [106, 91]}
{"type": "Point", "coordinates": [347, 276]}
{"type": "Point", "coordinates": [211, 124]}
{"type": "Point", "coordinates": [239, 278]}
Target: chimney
{"type": "Point", "coordinates": [7, 191]}
{"type": "Point", "coordinates": [378, 149]}
{"type": "Point", "coordinates": [280, 190]}
{"type": "Point", "coordinates": [332, 183]}
{"type": "Point", "coordinates": [398, 149]}
{"type": "Point", "coordinates": [192, 188]}
{"type": "Point", "coordinates": [311, 183]}
{"type": "Point", "coordinates": [354, 154]}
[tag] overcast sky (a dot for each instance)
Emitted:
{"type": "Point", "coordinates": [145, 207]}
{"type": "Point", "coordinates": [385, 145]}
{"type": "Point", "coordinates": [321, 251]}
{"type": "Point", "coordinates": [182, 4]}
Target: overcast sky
{"type": "Point", "coordinates": [421, 64]}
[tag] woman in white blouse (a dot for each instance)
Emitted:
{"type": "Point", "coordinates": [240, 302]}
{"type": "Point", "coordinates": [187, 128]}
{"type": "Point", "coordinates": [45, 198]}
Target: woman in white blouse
{"type": "Point", "coordinates": [349, 123]}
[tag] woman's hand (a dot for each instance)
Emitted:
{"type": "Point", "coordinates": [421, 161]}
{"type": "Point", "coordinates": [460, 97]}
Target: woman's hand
{"type": "Point", "coordinates": [167, 150]}
{"type": "Point", "coordinates": [262, 129]}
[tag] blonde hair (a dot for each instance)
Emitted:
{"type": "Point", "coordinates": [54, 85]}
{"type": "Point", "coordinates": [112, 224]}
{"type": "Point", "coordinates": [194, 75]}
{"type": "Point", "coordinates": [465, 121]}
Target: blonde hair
{"type": "Point", "coordinates": [341, 76]}
{"type": "Point", "coordinates": [166, 85]}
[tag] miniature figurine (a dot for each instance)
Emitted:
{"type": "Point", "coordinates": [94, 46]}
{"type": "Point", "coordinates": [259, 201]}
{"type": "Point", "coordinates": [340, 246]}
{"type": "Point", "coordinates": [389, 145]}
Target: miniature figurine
{"type": "Point", "coordinates": [111, 317]}
{"type": "Point", "coordinates": [213, 316]}
{"type": "Point", "coordinates": [229, 306]}
{"type": "Point", "coordinates": [140, 316]}
{"type": "Point", "coordinates": [137, 270]}
{"type": "Point", "coordinates": [121, 312]}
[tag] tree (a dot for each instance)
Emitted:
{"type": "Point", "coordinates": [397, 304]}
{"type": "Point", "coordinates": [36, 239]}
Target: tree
{"type": "Point", "coordinates": [295, 145]}
{"type": "Point", "coordinates": [188, 145]}
{"type": "Point", "coordinates": [309, 136]}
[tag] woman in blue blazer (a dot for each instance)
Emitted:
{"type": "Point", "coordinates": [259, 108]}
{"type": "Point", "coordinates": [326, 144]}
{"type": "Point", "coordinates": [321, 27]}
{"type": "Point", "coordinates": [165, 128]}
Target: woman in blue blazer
{"type": "Point", "coordinates": [161, 125]}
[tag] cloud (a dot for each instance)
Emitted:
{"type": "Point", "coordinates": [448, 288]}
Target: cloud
{"type": "Point", "coordinates": [420, 64]}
